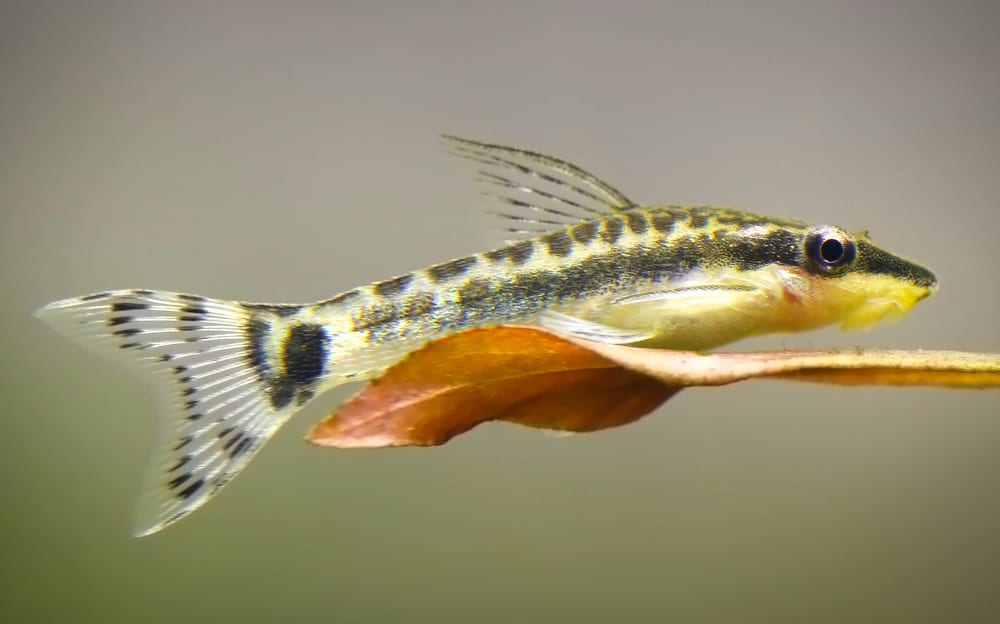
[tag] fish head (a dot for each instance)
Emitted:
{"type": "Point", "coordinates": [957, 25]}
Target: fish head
{"type": "Point", "coordinates": [860, 283]}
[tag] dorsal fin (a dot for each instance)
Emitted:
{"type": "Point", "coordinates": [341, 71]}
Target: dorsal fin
{"type": "Point", "coordinates": [539, 192]}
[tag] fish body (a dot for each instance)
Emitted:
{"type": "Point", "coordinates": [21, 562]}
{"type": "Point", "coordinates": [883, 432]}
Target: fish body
{"type": "Point", "coordinates": [586, 261]}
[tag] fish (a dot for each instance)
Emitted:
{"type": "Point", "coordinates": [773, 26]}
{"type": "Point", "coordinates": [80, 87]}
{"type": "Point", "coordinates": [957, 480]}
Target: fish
{"type": "Point", "coordinates": [580, 258]}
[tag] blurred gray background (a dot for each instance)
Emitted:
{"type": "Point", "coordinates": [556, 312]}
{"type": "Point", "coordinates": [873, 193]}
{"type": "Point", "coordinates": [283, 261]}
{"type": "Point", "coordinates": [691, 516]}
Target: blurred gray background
{"type": "Point", "coordinates": [287, 151]}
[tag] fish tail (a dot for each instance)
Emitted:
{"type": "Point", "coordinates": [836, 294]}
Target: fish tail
{"type": "Point", "coordinates": [228, 375]}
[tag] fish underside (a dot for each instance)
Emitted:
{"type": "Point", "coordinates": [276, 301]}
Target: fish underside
{"type": "Point", "coordinates": [582, 259]}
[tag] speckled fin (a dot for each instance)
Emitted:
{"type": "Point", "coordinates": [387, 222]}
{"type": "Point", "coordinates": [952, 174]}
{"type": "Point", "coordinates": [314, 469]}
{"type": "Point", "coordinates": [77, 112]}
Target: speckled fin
{"type": "Point", "coordinates": [215, 410]}
{"type": "Point", "coordinates": [539, 193]}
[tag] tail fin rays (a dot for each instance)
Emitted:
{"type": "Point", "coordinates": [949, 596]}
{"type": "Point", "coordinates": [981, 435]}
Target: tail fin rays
{"type": "Point", "coordinates": [209, 361]}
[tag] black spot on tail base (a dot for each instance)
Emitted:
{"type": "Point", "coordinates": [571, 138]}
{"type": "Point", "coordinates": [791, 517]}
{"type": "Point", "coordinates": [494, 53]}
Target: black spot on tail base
{"type": "Point", "coordinates": [305, 353]}
{"type": "Point", "coordinates": [302, 355]}
{"type": "Point", "coordinates": [257, 330]}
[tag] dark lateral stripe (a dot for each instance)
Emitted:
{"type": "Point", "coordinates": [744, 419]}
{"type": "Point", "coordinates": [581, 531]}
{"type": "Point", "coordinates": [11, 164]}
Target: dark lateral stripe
{"type": "Point", "coordinates": [394, 286]}
{"type": "Point", "coordinates": [510, 295]}
{"type": "Point", "coordinates": [451, 270]}
{"type": "Point", "coordinates": [777, 247]}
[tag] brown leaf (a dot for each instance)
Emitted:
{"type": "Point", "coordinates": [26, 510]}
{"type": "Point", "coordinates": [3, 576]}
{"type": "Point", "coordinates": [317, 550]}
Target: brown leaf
{"type": "Point", "coordinates": [517, 374]}
{"type": "Point", "coordinates": [955, 369]}
{"type": "Point", "coordinates": [532, 377]}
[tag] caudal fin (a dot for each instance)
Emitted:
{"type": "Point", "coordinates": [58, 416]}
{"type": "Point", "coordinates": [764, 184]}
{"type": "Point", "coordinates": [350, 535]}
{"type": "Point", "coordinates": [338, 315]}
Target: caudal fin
{"type": "Point", "coordinates": [211, 364]}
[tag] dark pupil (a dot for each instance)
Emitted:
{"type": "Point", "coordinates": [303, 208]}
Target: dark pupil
{"type": "Point", "coordinates": [831, 250]}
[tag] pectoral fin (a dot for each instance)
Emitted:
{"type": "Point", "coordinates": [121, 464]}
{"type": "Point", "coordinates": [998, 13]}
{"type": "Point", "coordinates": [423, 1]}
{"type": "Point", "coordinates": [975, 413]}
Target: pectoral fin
{"type": "Point", "coordinates": [690, 298]}
{"type": "Point", "coordinates": [590, 330]}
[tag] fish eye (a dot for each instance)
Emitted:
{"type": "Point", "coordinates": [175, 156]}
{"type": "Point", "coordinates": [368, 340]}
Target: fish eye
{"type": "Point", "coordinates": [829, 249]}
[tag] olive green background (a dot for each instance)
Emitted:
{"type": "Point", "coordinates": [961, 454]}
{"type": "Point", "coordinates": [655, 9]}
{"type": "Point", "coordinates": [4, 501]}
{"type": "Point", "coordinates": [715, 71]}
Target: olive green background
{"type": "Point", "coordinates": [287, 151]}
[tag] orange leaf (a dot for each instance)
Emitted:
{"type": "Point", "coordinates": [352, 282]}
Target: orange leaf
{"type": "Point", "coordinates": [529, 376]}
{"type": "Point", "coordinates": [517, 374]}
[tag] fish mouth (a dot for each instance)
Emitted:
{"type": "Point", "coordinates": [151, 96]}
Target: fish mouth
{"type": "Point", "coordinates": [923, 278]}
{"type": "Point", "coordinates": [887, 307]}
